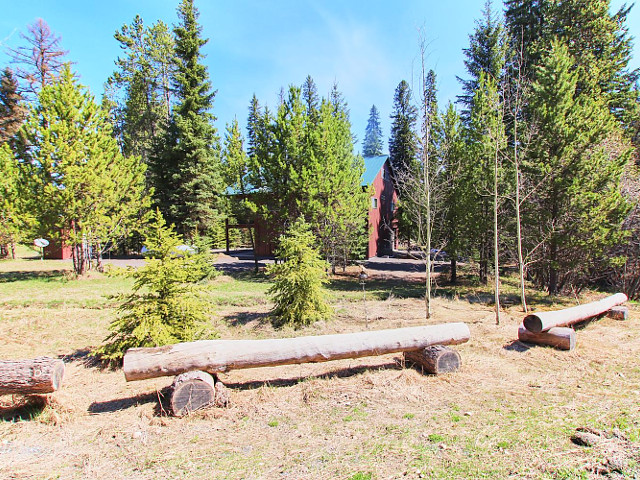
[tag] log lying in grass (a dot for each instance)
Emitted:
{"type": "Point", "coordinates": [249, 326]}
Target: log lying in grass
{"type": "Point", "coordinates": [33, 376]}
{"type": "Point", "coordinates": [563, 338]}
{"type": "Point", "coordinates": [221, 355]}
{"type": "Point", "coordinates": [618, 313]}
{"type": "Point", "coordinates": [192, 391]}
{"type": "Point", "coordinates": [435, 359]}
{"type": "Point", "coordinates": [543, 321]}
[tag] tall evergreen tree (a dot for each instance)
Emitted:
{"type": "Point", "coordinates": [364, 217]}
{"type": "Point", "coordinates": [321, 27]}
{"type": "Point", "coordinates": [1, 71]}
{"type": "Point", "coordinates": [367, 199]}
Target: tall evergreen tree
{"type": "Point", "coordinates": [372, 144]}
{"type": "Point", "coordinates": [139, 89]}
{"type": "Point", "coordinates": [486, 53]}
{"type": "Point", "coordinates": [192, 199]}
{"type": "Point", "coordinates": [577, 209]}
{"type": "Point", "coordinates": [402, 142]}
{"type": "Point", "coordinates": [83, 191]}
{"type": "Point", "coordinates": [12, 109]}
{"type": "Point", "coordinates": [15, 217]}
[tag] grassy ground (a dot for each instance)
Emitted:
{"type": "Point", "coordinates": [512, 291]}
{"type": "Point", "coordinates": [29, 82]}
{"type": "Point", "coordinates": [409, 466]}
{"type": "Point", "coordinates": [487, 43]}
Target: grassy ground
{"type": "Point", "coordinates": [508, 412]}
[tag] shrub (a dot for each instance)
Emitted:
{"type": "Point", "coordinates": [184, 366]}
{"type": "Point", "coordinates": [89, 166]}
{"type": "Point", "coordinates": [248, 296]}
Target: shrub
{"type": "Point", "coordinates": [297, 292]}
{"type": "Point", "coordinates": [165, 306]}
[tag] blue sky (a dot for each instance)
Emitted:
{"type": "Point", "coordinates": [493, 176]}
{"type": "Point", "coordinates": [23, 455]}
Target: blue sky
{"type": "Point", "coordinates": [259, 46]}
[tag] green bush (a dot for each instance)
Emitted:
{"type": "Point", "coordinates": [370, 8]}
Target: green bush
{"type": "Point", "coordinates": [297, 292]}
{"type": "Point", "coordinates": [165, 306]}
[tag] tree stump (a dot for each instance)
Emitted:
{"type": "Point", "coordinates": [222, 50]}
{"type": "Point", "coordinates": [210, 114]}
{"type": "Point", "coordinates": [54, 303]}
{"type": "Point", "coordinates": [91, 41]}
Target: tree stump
{"type": "Point", "coordinates": [192, 391]}
{"type": "Point", "coordinates": [435, 359]}
{"type": "Point", "coordinates": [34, 376]}
{"type": "Point", "coordinates": [618, 313]}
{"type": "Point", "coordinates": [563, 338]}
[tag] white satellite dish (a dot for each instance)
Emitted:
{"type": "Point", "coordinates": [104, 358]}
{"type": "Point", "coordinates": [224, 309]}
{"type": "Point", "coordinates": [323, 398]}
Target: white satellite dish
{"type": "Point", "coordinates": [41, 242]}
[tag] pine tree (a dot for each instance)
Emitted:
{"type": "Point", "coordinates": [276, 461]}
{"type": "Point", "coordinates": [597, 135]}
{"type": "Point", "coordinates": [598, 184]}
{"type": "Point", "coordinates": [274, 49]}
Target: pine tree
{"type": "Point", "coordinates": [193, 197]}
{"type": "Point", "coordinates": [372, 144]}
{"type": "Point", "coordinates": [578, 208]}
{"type": "Point", "coordinates": [82, 189]}
{"type": "Point", "coordinates": [451, 182]}
{"type": "Point", "coordinates": [139, 89]}
{"type": "Point", "coordinates": [402, 142]}
{"type": "Point", "coordinates": [487, 140]}
{"type": "Point", "coordinates": [166, 305]}
{"type": "Point", "coordinates": [15, 218]}
{"type": "Point", "coordinates": [12, 109]}
{"type": "Point", "coordinates": [297, 291]}
{"type": "Point", "coordinates": [40, 61]}
{"type": "Point", "coordinates": [486, 54]}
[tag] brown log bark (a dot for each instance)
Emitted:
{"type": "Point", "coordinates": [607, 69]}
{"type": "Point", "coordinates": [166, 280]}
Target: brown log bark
{"type": "Point", "coordinates": [221, 355]}
{"type": "Point", "coordinates": [33, 376]}
{"type": "Point", "coordinates": [618, 313]}
{"type": "Point", "coordinates": [192, 391]}
{"type": "Point", "coordinates": [563, 338]}
{"type": "Point", "coordinates": [543, 321]}
{"type": "Point", "coordinates": [436, 359]}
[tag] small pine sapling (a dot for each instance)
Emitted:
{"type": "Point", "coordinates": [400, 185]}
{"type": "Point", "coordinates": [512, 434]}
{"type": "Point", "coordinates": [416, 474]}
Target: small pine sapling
{"type": "Point", "coordinates": [165, 306]}
{"type": "Point", "coordinates": [297, 292]}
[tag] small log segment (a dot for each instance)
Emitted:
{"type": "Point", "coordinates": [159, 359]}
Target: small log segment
{"type": "Point", "coordinates": [192, 391]}
{"type": "Point", "coordinates": [221, 355]}
{"type": "Point", "coordinates": [33, 376]}
{"type": "Point", "coordinates": [562, 338]}
{"type": "Point", "coordinates": [543, 321]}
{"type": "Point", "coordinates": [618, 313]}
{"type": "Point", "coordinates": [435, 359]}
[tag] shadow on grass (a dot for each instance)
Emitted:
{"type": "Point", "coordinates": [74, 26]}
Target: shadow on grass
{"type": "Point", "coordinates": [84, 357]}
{"type": "Point", "coordinates": [243, 318]}
{"type": "Point", "coordinates": [26, 408]}
{"type": "Point", "coordinates": [290, 382]}
{"type": "Point", "coordinates": [45, 275]}
{"type": "Point", "coordinates": [518, 346]}
{"type": "Point", "coordinates": [160, 397]}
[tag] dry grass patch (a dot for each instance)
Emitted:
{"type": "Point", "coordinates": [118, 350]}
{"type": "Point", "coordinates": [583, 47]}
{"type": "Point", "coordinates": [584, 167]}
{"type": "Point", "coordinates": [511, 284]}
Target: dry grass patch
{"type": "Point", "coordinates": [510, 411]}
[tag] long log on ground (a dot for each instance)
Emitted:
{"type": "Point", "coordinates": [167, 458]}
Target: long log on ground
{"type": "Point", "coordinates": [221, 355]}
{"type": "Point", "coordinates": [33, 376]}
{"type": "Point", "coordinates": [436, 359]}
{"type": "Point", "coordinates": [563, 338]}
{"type": "Point", "coordinates": [543, 321]}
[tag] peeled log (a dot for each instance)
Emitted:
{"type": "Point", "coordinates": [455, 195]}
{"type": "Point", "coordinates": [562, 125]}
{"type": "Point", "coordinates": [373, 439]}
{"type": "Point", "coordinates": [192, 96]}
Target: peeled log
{"type": "Point", "coordinates": [221, 355]}
{"type": "Point", "coordinates": [436, 359]}
{"type": "Point", "coordinates": [34, 376]}
{"type": "Point", "coordinates": [543, 321]}
{"type": "Point", "coordinates": [563, 338]}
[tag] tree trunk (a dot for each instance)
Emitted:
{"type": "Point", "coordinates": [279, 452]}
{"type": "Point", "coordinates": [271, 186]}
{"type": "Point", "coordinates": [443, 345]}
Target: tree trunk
{"type": "Point", "coordinates": [38, 375]}
{"type": "Point", "coordinates": [221, 355]}
{"type": "Point", "coordinates": [563, 338]}
{"type": "Point", "coordinates": [543, 321]}
{"type": "Point", "coordinates": [618, 313]}
{"type": "Point", "coordinates": [436, 359]}
{"type": "Point", "coordinates": [454, 270]}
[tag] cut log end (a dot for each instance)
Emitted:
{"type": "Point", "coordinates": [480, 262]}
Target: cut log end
{"type": "Point", "coordinates": [192, 391]}
{"type": "Point", "coordinates": [618, 313]}
{"type": "Point", "coordinates": [34, 376]}
{"type": "Point", "coordinates": [436, 359]}
{"type": "Point", "coordinates": [533, 323]}
{"type": "Point", "coordinates": [562, 338]}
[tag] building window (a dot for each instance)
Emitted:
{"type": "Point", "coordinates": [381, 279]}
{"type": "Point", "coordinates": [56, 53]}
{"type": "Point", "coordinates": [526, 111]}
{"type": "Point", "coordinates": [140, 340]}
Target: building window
{"type": "Point", "coordinates": [374, 202]}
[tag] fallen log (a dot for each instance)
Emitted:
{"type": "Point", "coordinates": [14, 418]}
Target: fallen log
{"type": "Point", "coordinates": [543, 321]}
{"type": "Point", "coordinates": [192, 391]}
{"type": "Point", "coordinates": [436, 359]}
{"type": "Point", "coordinates": [221, 355]}
{"type": "Point", "coordinates": [618, 313]}
{"type": "Point", "coordinates": [33, 376]}
{"type": "Point", "coordinates": [563, 338]}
